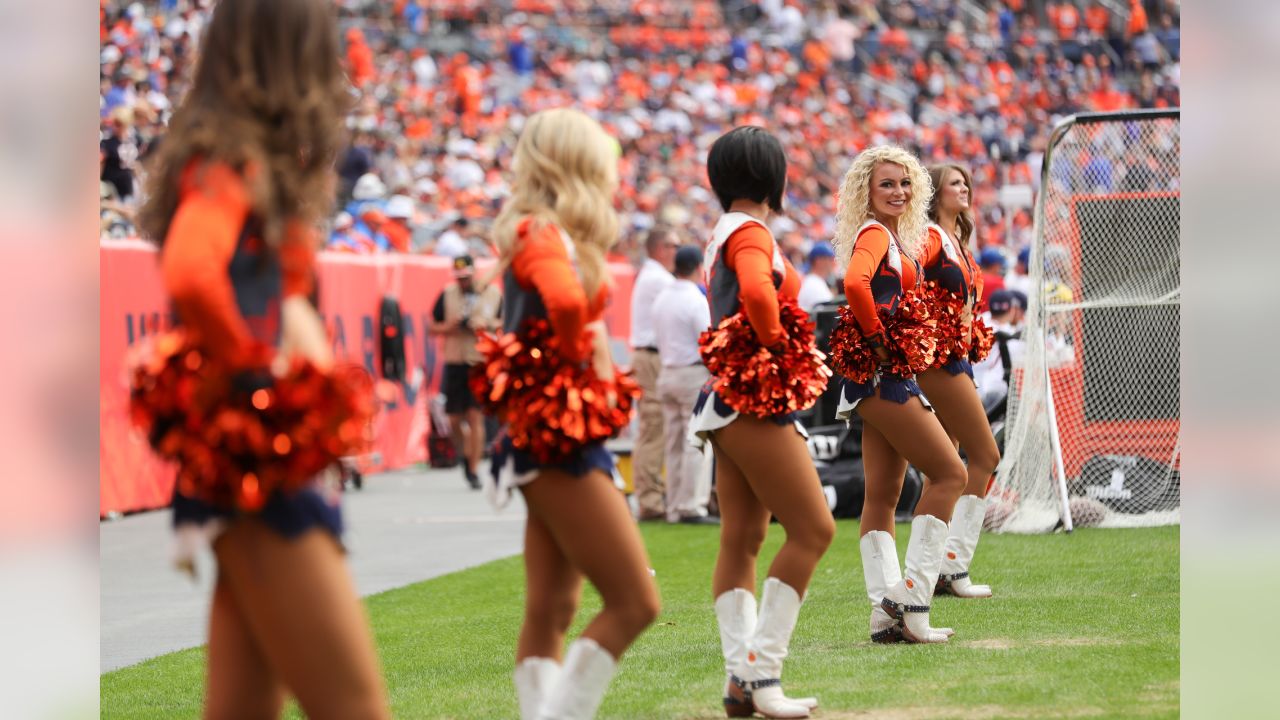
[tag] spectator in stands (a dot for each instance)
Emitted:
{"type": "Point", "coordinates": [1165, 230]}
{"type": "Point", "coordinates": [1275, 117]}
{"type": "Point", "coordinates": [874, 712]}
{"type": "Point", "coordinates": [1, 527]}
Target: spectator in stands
{"type": "Point", "coordinates": [680, 315]}
{"type": "Point", "coordinates": [646, 455]}
{"type": "Point", "coordinates": [992, 263]}
{"type": "Point", "coordinates": [345, 237]}
{"type": "Point", "coordinates": [816, 288]}
{"type": "Point", "coordinates": [452, 241]}
{"type": "Point", "coordinates": [462, 309]}
{"type": "Point", "coordinates": [399, 214]}
{"type": "Point", "coordinates": [118, 153]}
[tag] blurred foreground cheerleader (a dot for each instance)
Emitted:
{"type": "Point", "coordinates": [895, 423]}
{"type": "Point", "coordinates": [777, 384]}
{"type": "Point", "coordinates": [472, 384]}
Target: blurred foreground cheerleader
{"type": "Point", "coordinates": [883, 338]}
{"type": "Point", "coordinates": [764, 368]}
{"type": "Point", "coordinates": [245, 397]}
{"type": "Point", "coordinates": [550, 380]}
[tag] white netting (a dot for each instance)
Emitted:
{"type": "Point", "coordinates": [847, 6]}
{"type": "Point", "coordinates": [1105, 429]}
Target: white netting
{"type": "Point", "coordinates": [1102, 333]}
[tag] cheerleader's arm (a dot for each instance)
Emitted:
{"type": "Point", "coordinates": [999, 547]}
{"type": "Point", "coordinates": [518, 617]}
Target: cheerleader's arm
{"type": "Point", "coordinates": [750, 257]}
{"type": "Point", "coordinates": [869, 249]}
{"type": "Point", "coordinates": [193, 263]}
{"type": "Point", "coordinates": [543, 264]}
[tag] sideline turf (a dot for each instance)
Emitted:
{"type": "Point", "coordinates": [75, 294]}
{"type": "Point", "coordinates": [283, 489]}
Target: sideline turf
{"type": "Point", "coordinates": [1084, 625]}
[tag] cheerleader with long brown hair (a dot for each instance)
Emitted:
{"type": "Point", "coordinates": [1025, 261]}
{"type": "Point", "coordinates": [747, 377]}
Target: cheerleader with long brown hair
{"type": "Point", "coordinates": [242, 177]}
{"type": "Point", "coordinates": [949, 384]}
{"type": "Point", "coordinates": [881, 223]}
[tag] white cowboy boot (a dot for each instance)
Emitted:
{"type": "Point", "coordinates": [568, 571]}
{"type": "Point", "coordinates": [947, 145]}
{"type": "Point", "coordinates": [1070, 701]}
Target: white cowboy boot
{"type": "Point", "coordinates": [736, 615]}
{"type": "Point", "coordinates": [966, 526]}
{"type": "Point", "coordinates": [534, 677]}
{"type": "Point", "coordinates": [881, 571]}
{"type": "Point", "coordinates": [759, 678]}
{"type": "Point", "coordinates": [577, 693]}
{"type": "Point", "coordinates": [908, 600]}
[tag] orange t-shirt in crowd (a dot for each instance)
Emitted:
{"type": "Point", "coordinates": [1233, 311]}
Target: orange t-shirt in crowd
{"type": "Point", "coordinates": [1097, 18]}
{"type": "Point", "coordinates": [213, 208]}
{"type": "Point", "coordinates": [1137, 19]}
{"type": "Point", "coordinates": [749, 254]}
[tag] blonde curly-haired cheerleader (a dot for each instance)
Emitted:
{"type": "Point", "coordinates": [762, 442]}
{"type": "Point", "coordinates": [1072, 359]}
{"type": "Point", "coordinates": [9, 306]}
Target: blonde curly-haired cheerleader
{"type": "Point", "coordinates": [881, 221]}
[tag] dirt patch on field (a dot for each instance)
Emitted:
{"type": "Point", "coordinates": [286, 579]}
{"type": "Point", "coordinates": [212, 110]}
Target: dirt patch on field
{"type": "Point", "coordinates": [977, 712]}
{"type": "Point", "coordinates": [1007, 644]}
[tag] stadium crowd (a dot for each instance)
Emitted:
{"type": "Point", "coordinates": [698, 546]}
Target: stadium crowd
{"type": "Point", "coordinates": [441, 88]}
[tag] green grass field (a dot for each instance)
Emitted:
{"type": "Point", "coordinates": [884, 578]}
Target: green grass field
{"type": "Point", "coordinates": [1082, 625]}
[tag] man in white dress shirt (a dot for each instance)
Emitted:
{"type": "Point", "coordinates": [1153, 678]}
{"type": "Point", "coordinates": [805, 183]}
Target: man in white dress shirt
{"type": "Point", "coordinates": [646, 455]}
{"type": "Point", "coordinates": [816, 288]}
{"type": "Point", "coordinates": [680, 314]}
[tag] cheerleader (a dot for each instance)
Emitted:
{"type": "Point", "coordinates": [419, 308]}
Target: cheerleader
{"type": "Point", "coordinates": [242, 177]}
{"type": "Point", "coordinates": [881, 223]}
{"type": "Point", "coordinates": [949, 384]}
{"type": "Point", "coordinates": [552, 236]}
{"type": "Point", "coordinates": [762, 464]}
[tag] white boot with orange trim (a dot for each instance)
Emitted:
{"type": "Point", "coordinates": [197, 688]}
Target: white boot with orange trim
{"type": "Point", "coordinates": [962, 542]}
{"type": "Point", "coordinates": [908, 601]}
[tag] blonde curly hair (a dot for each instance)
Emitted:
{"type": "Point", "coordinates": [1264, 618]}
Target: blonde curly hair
{"type": "Point", "coordinates": [566, 172]}
{"type": "Point", "coordinates": [854, 207]}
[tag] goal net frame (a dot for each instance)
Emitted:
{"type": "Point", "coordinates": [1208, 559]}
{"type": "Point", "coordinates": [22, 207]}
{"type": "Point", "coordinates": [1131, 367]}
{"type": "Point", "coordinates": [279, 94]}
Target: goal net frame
{"type": "Point", "coordinates": [1094, 422]}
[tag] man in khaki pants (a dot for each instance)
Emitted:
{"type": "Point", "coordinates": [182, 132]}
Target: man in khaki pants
{"type": "Point", "coordinates": [462, 309]}
{"type": "Point", "coordinates": [646, 456]}
{"type": "Point", "coordinates": [680, 315]}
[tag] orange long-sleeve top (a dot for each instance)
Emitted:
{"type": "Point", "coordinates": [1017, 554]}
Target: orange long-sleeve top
{"type": "Point", "coordinates": [749, 254]}
{"type": "Point", "coordinates": [962, 278]}
{"type": "Point", "coordinates": [541, 263]}
{"type": "Point", "coordinates": [203, 236]}
{"type": "Point", "coordinates": [870, 282]}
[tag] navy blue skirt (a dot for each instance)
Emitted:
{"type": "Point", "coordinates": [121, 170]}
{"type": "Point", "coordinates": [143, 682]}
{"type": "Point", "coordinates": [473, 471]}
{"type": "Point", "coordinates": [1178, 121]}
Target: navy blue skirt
{"type": "Point", "coordinates": [888, 387]}
{"type": "Point", "coordinates": [510, 468]}
{"type": "Point", "coordinates": [289, 514]}
{"type": "Point", "coordinates": [959, 365]}
{"type": "Point", "coordinates": [711, 412]}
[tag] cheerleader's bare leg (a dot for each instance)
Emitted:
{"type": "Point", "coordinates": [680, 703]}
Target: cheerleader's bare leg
{"type": "Point", "coordinates": [239, 681]}
{"type": "Point", "coordinates": [552, 591]}
{"type": "Point", "coordinates": [914, 434]}
{"type": "Point", "coordinates": [300, 606]}
{"type": "Point", "coordinates": [588, 520]}
{"type": "Point", "coordinates": [768, 471]}
{"type": "Point", "coordinates": [958, 406]}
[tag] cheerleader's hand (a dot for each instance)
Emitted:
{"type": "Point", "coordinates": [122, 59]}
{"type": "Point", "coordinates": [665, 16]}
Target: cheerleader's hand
{"type": "Point", "coordinates": [303, 333]}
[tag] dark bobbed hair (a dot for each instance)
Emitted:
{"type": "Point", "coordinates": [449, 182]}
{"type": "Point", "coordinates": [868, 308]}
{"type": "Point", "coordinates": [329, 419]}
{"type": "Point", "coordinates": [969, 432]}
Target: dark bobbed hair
{"type": "Point", "coordinates": [748, 163]}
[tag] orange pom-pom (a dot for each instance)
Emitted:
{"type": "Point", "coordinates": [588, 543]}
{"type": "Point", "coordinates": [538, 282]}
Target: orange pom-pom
{"type": "Point", "coordinates": [235, 445]}
{"type": "Point", "coordinates": [982, 338]}
{"type": "Point", "coordinates": [760, 381]}
{"type": "Point", "coordinates": [550, 405]}
{"type": "Point", "coordinates": [910, 339]}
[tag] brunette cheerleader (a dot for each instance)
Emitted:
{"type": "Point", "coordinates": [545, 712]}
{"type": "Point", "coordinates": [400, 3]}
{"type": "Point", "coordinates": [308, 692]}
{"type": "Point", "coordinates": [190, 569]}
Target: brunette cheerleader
{"type": "Point", "coordinates": [949, 384]}
{"type": "Point", "coordinates": [242, 177]}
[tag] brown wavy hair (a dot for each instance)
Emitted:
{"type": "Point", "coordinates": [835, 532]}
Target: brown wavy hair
{"type": "Point", "coordinates": [965, 220]}
{"type": "Point", "coordinates": [268, 95]}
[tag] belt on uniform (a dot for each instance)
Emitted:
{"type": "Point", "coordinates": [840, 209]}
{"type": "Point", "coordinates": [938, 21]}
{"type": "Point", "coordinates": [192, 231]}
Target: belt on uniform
{"type": "Point", "coordinates": [647, 348]}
